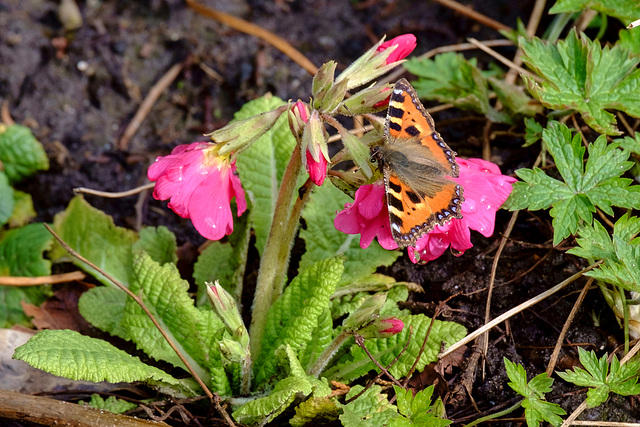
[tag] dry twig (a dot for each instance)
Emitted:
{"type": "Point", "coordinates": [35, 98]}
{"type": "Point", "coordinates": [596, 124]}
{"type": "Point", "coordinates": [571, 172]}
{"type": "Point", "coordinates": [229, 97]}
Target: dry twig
{"type": "Point", "coordinates": [41, 280]}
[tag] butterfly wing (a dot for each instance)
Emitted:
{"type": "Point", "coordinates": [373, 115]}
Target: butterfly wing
{"type": "Point", "coordinates": [417, 164]}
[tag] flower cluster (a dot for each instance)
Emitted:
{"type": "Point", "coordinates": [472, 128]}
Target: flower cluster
{"type": "Point", "coordinates": [485, 190]}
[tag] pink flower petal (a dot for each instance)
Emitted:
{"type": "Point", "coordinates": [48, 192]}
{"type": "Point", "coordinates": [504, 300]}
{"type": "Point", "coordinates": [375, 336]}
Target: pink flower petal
{"type": "Point", "coordinates": [405, 45]}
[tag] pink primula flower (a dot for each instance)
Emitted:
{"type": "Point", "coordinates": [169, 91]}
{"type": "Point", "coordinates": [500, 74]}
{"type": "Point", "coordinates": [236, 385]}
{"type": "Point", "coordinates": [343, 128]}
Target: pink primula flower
{"type": "Point", "coordinates": [367, 216]}
{"type": "Point", "coordinates": [200, 185]}
{"type": "Point", "coordinates": [405, 45]}
{"type": "Point", "coordinates": [485, 190]}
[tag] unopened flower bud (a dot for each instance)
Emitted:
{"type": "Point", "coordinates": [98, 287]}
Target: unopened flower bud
{"type": "Point", "coordinates": [298, 116]}
{"type": "Point", "coordinates": [322, 82]}
{"type": "Point", "coordinates": [382, 328]}
{"type": "Point", "coordinates": [334, 96]}
{"type": "Point", "coordinates": [369, 100]}
{"type": "Point", "coordinates": [226, 308]}
{"type": "Point", "coordinates": [239, 134]}
{"type": "Point", "coordinates": [367, 313]}
{"type": "Point", "coordinates": [232, 350]}
{"type": "Point", "coordinates": [358, 151]}
{"type": "Point", "coordinates": [313, 148]}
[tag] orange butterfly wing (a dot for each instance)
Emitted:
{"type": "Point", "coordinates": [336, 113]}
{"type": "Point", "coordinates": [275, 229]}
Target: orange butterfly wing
{"type": "Point", "coordinates": [416, 164]}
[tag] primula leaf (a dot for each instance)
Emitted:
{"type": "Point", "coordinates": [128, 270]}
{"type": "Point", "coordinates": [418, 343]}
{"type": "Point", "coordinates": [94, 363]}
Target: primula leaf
{"type": "Point", "coordinates": [71, 355]}
{"type": "Point", "coordinates": [21, 254]}
{"type": "Point", "coordinates": [449, 77]}
{"type": "Point", "coordinates": [93, 234]}
{"type": "Point", "coordinates": [343, 303]}
{"type": "Point", "coordinates": [20, 152]}
{"type": "Point", "coordinates": [159, 243]}
{"type": "Point", "coordinates": [598, 184]}
{"type": "Point", "coordinates": [357, 363]}
{"type": "Point", "coordinates": [315, 411]}
{"type": "Point", "coordinates": [103, 307]}
{"type": "Point", "coordinates": [579, 74]}
{"type": "Point", "coordinates": [7, 200]}
{"type": "Point", "coordinates": [194, 331]}
{"type": "Point", "coordinates": [536, 409]}
{"type": "Point", "coordinates": [111, 404]}
{"type": "Point", "coordinates": [294, 317]}
{"type": "Point", "coordinates": [224, 262]}
{"type": "Point", "coordinates": [371, 409]}
{"type": "Point", "coordinates": [262, 165]}
{"type": "Point", "coordinates": [322, 240]}
{"type": "Point", "coordinates": [605, 378]}
{"type": "Point", "coordinates": [624, 10]}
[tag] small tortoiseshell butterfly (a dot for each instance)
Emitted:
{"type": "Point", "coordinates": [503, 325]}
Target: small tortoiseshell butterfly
{"type": "Point", "coordinates": [416, 164]}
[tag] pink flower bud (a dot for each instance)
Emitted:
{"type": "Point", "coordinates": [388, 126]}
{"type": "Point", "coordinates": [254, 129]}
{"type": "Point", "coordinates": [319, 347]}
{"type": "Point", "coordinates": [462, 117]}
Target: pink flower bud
{"type": "Point", "coordinates": [404, 46]}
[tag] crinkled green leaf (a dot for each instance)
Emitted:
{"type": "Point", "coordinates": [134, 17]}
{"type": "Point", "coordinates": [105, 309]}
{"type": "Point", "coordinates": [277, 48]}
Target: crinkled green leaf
{"type": "Point", "coordinates": [194, 331]}
{"type": "Point", "coordinates": [605, 378]}
{"type": "Point", "coordinates": [103, 307]}
{"type": "Point", "coordinates": [579, 74]}
{"type": "Point", "coordinates": [536, 409]}
{"type": "Point", "coordinates": [349, 302]}
{"type": "Point", "coordinates": [224, 262]}
{"type": "Point", "coordinates": [356, 363]}
{"type": "Point", "coordinates": [20, 152]}
{"type": "Point", "coordinates": [159, 243]}
{"type": "Point", "coordinates": [71, 355]}
{"type": "Point", "coordinates": [625, 10]}
{"type": "Point", "coordinates": [597, 184]}
{"type": "Point", "coordinates": [315, 411]}
{"type": "Point", "coordinates": [23, 211]}
{"type": "Point", "coordinates": [322, 240]}
{"type": "Point", "coordinates": [264, 409]}
{"type": "Point", "coordinates": [418, 410]}
{"type": "Point", "coordinates": [294, 317]}
{"type": "Point", "coordinates": [262, 166]}
{"type": "Point", "coordinates": [371, 409]}
{"type": "Point", "coordinates": [93, 234]}
{"type": "Point", "coordinates": [322, 337]}
{"type": "Point", "coordinates": [111, 404]}
{"type": "Point", "coordinates": [449, 77]}
{"type": "Point", "coordinates": [7, 200]}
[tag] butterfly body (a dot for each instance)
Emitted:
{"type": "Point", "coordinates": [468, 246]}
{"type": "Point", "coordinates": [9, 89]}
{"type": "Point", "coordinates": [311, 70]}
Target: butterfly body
{"type": "Point", "coordinates": [417, 166]}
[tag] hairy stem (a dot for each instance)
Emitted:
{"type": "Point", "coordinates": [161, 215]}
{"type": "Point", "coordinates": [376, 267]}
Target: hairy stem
{"type": "Point", "coordinates": [327, 354]}
{"type": "Point", "coordinates": [275, 259]}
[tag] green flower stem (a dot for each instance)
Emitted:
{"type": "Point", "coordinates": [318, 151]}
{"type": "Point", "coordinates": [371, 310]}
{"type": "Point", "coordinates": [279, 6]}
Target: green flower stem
{"type": "Point", "coordinates": [328, 353]}
{"type": "Point", "coordinates": [275, 257]}
{"type": "Point", "coordinates": [496, 415]}
{"type": "Point", "coordinates": [245, 385]}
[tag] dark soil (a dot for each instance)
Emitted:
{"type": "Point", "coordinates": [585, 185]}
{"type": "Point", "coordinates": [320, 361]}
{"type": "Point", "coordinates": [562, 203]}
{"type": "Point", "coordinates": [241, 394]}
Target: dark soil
{"type": "Point", "coordinates": [79, 90]}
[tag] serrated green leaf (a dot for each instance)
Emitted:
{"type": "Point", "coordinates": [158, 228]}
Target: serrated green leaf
{"type": "Point", "coordinates": [23, 211]}
{"type": "Point", "coordinates": [21, 153]}
{"type": "Point", "coordinates": [7, 200]}
{"type": "Point", "coordinates": [579, 74]}
{"type": "Point", "coordinates": [316, 410]}
{"type": "Point", "coordinates": [322, 337]}
{"type": "Point", "coordinates": [536, 408]}
{"type": "Point", "coordinates": [224, 262]}
{"type": "Point", "coordinates": [533, 131]}
{"type": "Point", "coordinates": [159, 243]}
{"type": "Point", "coordinates": [292, 319]}
{"type": "Point", "coordinates": [265, 409]}
{"type": "Point", "coordinates": [262, 166]}
{"type": "Point", "coordinates": [371, 409]}
{"type": "Point", "coordinates": [322, 240]}
{"type": "Point", "coordinates": [111, 404]}
{"type": "Point", "coordinates": [71, 355]}
{"type": "Point", "coordinates": [449, 77]}
{"type": "Point", "coordinates": [625, 10]}
{"type": "Point", "coordinates": [514, 99]}
{"type": "Point", "coordinates": [103, 307]}
{"type": "Point", "coordinates": [357, 363]}
{"type": "Point", "coordinates": [418, 409]}
{"type": "Point", "coordinates": [597, 184]}
{"type": "Point", "coordinates": [93, 234]}
{"type": "Point", "coordinates": [630, 40]}
{"type": "Point", "coordinates": [194, 331]}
